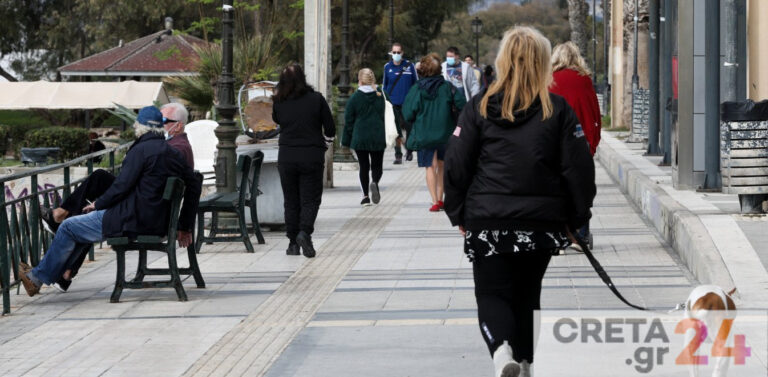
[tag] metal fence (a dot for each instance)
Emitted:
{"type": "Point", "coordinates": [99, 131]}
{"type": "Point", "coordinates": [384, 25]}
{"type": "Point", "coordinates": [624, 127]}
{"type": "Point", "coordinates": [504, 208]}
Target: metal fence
{"type": "Point", "coordinates": [22, 237]}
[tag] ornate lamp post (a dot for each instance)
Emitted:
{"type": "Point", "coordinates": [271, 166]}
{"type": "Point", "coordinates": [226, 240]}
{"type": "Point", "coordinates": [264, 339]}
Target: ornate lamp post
{"type": "Point", "coordinates": [477, 28]}
{"type": "Point", "coordinates": [226, 132]}
{"type": "Point", "coordinates": [342, 153]}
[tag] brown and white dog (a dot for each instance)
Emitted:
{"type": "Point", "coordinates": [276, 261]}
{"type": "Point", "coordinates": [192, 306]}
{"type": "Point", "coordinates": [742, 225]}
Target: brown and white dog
{"type": "Point", "coordinates": [709, 304]}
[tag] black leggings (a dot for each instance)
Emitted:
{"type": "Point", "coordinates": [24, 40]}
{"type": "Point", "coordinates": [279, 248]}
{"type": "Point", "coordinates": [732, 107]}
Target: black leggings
{"type": "Point", "coordinates": [508, 290]}
{"type": "Point", "coordinates": [374, 165]}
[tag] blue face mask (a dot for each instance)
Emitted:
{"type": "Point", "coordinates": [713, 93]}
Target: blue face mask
{"type": "Point", "coordinates": [397, 58]}
{"type": "Point", "coordinates": [450, 61]}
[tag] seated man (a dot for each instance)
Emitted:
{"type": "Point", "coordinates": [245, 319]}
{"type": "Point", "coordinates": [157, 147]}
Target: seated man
{"type": "Point", "coordinates": [131, 206]}
{"type": "Point", "coordinates": [174, 120]}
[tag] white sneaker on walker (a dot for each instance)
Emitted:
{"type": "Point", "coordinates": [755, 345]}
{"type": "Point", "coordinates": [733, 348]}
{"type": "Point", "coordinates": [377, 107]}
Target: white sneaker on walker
{"type": "Point", "coordinates": [504, 364]}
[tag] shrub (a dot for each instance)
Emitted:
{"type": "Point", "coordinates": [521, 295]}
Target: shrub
{"type": "Point", "coordinates": [3, 141]}
{"type": "Point", "coordinates": [15, 135]}
{"type": "Point", "coordinates": [73, 142]}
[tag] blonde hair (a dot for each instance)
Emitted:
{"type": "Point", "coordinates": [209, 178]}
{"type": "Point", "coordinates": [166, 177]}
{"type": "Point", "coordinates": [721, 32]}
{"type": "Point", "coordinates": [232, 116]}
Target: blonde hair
{"type": "Point", "coordinates": [523, 73]}
{"type": "Point", "coordinates": [567, 56]}
{"type": "Point", "coordinates": [366, 77]}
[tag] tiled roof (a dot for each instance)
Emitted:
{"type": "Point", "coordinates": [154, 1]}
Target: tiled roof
{"type": "Point", "coordinates": [157, 54]}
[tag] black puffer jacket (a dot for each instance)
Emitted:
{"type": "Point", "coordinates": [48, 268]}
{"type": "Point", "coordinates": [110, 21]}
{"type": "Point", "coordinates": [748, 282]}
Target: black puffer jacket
{"type": "Point", "coordinates": [530, 174]}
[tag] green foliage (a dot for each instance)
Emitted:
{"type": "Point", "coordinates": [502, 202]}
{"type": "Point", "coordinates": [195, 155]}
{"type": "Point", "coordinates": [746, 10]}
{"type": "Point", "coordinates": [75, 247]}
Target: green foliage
{"type": "Point", "coordinates": [128, 135]}
{"type": "Point", "coordinates": [16, 134]}
{"type": "Point", "coordinates": [3, 141]}
{"type": "Point", "coordinates": [73, 142]}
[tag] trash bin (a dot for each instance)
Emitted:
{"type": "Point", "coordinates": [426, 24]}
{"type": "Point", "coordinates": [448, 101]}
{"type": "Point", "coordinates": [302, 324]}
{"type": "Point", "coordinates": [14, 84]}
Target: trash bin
{"type": "Point", "coordinates": [38, 155]}
{"type": "Point", "coordinates": [744, 152]}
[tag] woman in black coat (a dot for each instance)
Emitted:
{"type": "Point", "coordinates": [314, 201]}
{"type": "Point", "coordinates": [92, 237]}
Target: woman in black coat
{"type": "Point", "coordinates": [306, 127]}
{"type": "Point", "coordinates": [518, 179]}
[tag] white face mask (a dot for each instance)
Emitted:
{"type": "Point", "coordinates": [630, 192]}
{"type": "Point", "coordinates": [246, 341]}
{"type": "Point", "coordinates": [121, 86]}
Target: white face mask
{"type": "Point", "coordinates": [167, 132]}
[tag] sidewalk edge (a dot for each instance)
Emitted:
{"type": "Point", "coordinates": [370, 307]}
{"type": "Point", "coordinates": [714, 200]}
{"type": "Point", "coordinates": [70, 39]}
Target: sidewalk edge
{"type": "Point", "coordinates": [680, 227]}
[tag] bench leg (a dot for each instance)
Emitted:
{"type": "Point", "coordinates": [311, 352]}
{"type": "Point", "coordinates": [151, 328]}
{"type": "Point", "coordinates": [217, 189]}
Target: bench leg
{"type": "Point", "coordinates": [214, 226]}
{"type": "Point", "coordinates": [200, 229]}
{"type": "Point", "coordinates": [255, 221]}
{"type": "Point", "coordinates": [120, 280]}
{"type": "Point", "coordinates": [244, 230]}
{"type": "Point", "coordinates": [142, 267]}
{"type": "Point", "coordinates": [174, 270]}
{"type": "Point", "coordinates": [195, 268]}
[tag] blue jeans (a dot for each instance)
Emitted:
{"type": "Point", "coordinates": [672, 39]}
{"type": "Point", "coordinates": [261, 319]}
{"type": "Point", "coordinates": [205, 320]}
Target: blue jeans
{"type": "Point", "coordinates": [81, 229]}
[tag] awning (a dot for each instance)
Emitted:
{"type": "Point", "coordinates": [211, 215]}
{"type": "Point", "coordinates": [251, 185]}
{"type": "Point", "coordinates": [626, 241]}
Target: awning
{"type": "Point", "coordinates": [80, 95]}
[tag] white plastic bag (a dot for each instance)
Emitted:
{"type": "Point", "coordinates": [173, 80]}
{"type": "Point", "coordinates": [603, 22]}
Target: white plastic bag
{"type": "Point", "coordinates": [390, 129]}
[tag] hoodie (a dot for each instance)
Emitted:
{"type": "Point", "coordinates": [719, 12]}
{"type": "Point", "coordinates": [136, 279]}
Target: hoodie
{"type": "Point", "coordinates": [428, 108]}
{"type": "Point", "coordinates": [527, 174]}
{"type": "Point", "coordinates": [364, 121]}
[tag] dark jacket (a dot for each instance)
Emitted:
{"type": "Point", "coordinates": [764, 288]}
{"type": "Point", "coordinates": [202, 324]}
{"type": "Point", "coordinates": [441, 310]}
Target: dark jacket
{"type": "Point", "coordinates": [134, 202]}
{"type": "Point", "coordinates": [306, 124]}
{"type": "Point", "coordinates": [428, 108]}
{"type": "Point", "coordinates": [364, 122]}
{"type": "Point", "coordinates": [181, 143]}
{"type": "Point", "coordinates": [396, 89]}
{"type": "Point", "coordinates": [530, 174]}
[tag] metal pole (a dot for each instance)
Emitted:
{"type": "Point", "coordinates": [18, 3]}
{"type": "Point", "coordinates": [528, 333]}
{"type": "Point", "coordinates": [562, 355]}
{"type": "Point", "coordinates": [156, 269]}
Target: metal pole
{"type": "Point", "coordinates": [712, 95]}
{"type": "Point", "coordinates": [731, 50]}
{"type": "Point", "coordinates": [342, 153]}
{"type": "Point", "coordinates": [635, 77]}
{"type": "Point", "coordinates": [477, 49]}
{"type": "Point", "coordinates": [391, 22]}
{"type": "Point", "coordinates": [667, 23]}
{"type": "Point", "coordinates": [226, 132]}
{"type": "Point", "coordinates": [594, 43]}
{"type": "Point", "coordinates": [606, 49]}
{"type": "Point", "coordinates": [653, 78]}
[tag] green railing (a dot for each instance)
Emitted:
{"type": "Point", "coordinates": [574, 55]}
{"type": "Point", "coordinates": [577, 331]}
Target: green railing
{"type": "Point", "coordinates": [22, 237]}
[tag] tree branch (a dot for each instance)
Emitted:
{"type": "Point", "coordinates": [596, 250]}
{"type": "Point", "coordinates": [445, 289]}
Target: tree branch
{"type": "Point", "coordinates": [7, 75]}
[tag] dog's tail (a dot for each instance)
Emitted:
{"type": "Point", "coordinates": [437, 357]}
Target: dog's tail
{"type": "Point", "coordinates": [731, 292]}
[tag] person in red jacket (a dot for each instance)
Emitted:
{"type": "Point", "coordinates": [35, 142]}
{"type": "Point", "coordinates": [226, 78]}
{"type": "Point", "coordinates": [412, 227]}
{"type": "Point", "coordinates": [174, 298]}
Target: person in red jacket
{"type": "Point", "coordinates": [571, 80]}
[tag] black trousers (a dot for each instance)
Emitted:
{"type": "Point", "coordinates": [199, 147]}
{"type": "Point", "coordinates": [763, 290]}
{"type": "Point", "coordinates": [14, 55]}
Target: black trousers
{"type": "Point", "coordinates": [93, 187]}
{"type": "Point", "coordinates": [508, 290]}
{"type": "Point", "coordinates": [370, 161]}
{"type": "Point", "coordinates": [302, 184]}
{"type": "Point", "coordinates": [402, 125]}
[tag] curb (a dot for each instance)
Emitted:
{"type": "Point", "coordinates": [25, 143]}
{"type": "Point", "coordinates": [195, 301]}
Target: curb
{"type": "Point", "coordinates": [680, 227]}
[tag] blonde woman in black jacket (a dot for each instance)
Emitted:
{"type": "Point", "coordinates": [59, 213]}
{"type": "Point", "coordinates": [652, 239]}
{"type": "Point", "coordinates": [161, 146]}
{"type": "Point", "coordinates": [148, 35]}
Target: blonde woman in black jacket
{"type": "Point", "coordinates": [518, 177]}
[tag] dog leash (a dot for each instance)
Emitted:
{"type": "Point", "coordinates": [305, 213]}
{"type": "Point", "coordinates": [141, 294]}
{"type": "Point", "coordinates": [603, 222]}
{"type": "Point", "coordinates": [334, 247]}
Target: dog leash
{"type": "Point", "coordinates": [607, 280]}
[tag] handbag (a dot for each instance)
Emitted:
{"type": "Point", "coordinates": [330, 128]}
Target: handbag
{"type": "Point", "coordinates": [390, 129]}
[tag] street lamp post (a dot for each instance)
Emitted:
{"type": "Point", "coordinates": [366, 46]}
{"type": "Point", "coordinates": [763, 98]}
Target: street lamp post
{"type": "Point", "coordinates": [342, 153]}
{"type": "Point", "coordinates": [226, 132]}
{"type": "Point", "coordinates": [477, 28]}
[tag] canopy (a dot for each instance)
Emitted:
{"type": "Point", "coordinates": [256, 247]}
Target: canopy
{"type": "Point", "coordinates": [79, 95]}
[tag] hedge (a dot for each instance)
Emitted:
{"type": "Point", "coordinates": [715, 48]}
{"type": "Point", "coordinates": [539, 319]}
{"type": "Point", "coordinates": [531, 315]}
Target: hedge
{"type": "Point", "coordinates": [73, 142]}
{"type": "Point", "coordinates": [14, 135]}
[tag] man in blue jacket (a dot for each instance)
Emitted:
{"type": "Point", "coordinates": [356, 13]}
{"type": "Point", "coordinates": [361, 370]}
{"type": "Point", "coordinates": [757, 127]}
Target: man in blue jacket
{"type": "Point", "coordinates": [132, 205]}
{"type": "Point", "coordinates": [399, 76]}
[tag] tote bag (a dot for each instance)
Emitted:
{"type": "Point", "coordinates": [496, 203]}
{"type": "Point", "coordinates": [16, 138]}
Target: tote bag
{"type": "Point", "coordinates": [390, 129]}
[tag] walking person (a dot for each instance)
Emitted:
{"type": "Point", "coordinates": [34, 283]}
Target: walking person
{"type": "Point", "coordinates": [430, 107]}
{"type": "Point", "coordinates": [364, 133]}
{"type": "Point", "coordinates": [459, 73]}
{"type": "Point", "coordinates": [399, 76]}
{"type": "Point", "coordinates": [518, 177]}
{"type": "Point", "coordinates": [571, 80]}
{"type": "Point", "coordinates": [306, 127]}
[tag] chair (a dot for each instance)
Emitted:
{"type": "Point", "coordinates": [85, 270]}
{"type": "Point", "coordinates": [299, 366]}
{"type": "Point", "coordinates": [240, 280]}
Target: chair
{"type": "Point", "coordinates": [234, 202]}
{"type": "Point", "coordinates": [174, 191]}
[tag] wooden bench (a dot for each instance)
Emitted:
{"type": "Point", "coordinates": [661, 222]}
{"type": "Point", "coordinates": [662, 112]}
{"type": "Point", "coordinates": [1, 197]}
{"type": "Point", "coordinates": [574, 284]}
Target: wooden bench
{"type": "Point", "coordinates": [234, 202]}
{"type": "Point", "coordinates": [174, 192]}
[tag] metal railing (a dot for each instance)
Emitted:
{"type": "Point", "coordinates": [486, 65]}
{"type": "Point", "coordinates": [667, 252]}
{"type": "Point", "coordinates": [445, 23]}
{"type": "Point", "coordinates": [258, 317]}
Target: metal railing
{"type": "Point", "coordinates": [22, 237]}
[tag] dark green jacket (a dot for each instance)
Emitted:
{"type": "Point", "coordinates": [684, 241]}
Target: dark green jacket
{"type": "Point", "coordinates": [428, 108]}
{"type": "Point", "coordinates": [364, 122]}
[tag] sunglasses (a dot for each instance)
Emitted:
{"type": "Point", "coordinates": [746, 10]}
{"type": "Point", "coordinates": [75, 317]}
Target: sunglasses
{"type": "Point", "coordinates": [169, 120]}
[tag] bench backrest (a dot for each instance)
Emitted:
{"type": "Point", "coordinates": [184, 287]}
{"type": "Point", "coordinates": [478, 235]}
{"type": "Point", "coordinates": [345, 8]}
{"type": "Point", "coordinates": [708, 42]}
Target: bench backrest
{"type": "Point", "coordinates": [174, 192]}
{"type": "Point", "coordinates": [258, 158]}
{"type": "Point", "coordinates": [244, 163]}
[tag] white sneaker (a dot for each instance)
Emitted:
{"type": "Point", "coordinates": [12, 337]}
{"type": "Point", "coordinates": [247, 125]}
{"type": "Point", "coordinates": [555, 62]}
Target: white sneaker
{"type": "Point", "coordinates": [504, 364]}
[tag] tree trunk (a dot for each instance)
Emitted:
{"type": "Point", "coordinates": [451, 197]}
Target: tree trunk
{"type": "Point", "coordinates": [577, 17]}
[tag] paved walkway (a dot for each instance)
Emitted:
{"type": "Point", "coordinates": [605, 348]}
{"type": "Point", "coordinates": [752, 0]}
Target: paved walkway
{"type": "Point", "coordinates": [389, 294]}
